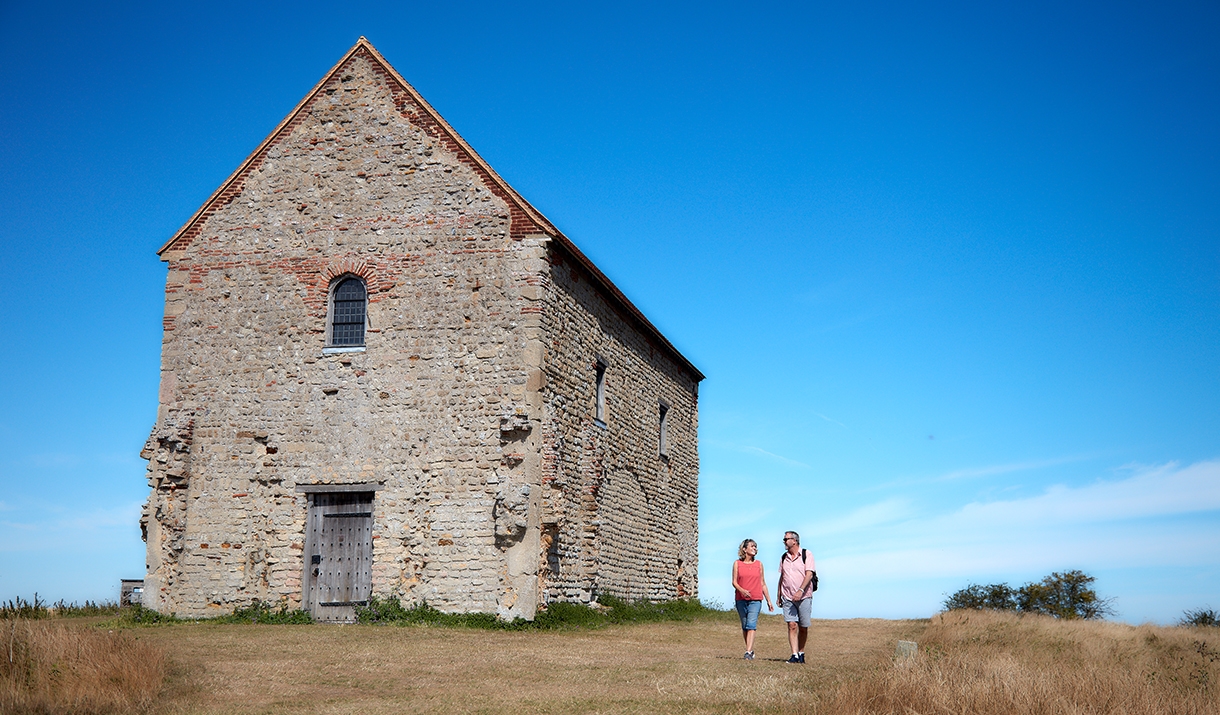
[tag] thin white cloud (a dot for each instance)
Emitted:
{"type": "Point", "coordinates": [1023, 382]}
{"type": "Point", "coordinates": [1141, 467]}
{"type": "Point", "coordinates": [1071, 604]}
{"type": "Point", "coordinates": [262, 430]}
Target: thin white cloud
{"type": "Point", "coordinates": [871, 515]}
{"type": "Point", "coordinates": [1158, 491]}
{"type": "Point", "coordinates": [734, 520]}
{"type": "Point", "coordinates": [781, 458]}
{"type": "Point", "coordinates": [753, 450]}
{"type": "Point", "coordinates": [1107, 523]}
{"type": "Point", "coordinates": [819, 414]}
{"type": "Point", "coordinates": [995, 469]}
{"type": "Point", "coordinates": [52, 461]}
{"type": "Point", "coordinates": [976, 472]}
{"type": "Point", "coordinates": [49, 529]}
{"type": "Point", "coordinates": [19, 526]}
{"type": "Point", "coordinates": [67, 460]}
{"type": "Point", "coordinates": [1001, 556]}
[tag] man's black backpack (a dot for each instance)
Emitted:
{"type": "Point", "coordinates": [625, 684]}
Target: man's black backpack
{"type": "Point", "coordinates": [813, 582]}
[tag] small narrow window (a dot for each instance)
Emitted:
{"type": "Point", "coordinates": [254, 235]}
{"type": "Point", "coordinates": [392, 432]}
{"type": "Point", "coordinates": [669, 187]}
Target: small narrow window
{"type": "Point", "coordinates": [663, 428]}
{"type": "Point", "coordinates": [599, 413]}
{"type": "Point", "coordinates": [347, 313]}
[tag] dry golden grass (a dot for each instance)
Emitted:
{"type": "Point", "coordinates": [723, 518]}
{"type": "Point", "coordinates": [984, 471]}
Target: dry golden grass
{"type": "Point", "coordinates": [976, 662]}
{"type": "Point", "coordinates": [54, 667]}
{"type": "Point", "coordinates": [671, 667]}
{"type": "Point", "coordinates": [999, 663]}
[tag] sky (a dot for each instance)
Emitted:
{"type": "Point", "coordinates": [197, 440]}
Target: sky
{"type": "Point", "coordinates": [952, 270]}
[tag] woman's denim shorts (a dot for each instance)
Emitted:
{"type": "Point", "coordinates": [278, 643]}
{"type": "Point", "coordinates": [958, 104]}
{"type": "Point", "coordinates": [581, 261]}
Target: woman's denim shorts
{"type": "Point", "coordinates": [749, 610]}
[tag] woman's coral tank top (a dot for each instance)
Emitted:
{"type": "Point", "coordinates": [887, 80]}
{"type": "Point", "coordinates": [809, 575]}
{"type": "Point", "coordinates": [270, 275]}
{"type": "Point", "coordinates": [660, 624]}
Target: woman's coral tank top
{"type": "Point", "coordinates": [749, 575]}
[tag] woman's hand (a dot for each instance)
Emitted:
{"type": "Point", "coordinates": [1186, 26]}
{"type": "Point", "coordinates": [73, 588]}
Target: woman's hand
{"type": "Point", "coordinates": [746, 594]}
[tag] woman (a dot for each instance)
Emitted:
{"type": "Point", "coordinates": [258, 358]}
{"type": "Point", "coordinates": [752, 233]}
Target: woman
{"type": "Point", "coordinates": [750, 586]}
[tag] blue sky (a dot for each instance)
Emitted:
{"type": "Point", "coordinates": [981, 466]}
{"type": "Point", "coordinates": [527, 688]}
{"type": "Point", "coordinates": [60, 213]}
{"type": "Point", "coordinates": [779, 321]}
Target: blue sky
{"type": "Point", "coordinates": [953, 272]}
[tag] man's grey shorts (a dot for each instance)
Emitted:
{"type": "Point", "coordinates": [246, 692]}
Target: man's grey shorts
{"type": "Point", "coordinates": [799, 611]}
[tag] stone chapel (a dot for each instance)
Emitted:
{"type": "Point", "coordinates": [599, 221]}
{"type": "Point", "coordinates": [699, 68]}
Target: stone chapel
{"type": "Point", "coordinates": [384, 373]}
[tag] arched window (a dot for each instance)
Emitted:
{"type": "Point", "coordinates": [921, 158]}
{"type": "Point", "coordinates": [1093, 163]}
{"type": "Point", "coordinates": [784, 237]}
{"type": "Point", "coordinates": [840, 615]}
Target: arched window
{"type": "Point", "coordinates": [347, 313]}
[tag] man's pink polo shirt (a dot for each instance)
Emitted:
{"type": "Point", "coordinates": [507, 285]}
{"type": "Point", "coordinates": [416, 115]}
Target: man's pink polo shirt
{"type": "Point", "coordinates": [794, 575]}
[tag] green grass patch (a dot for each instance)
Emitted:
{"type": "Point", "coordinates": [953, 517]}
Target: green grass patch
{"type": "Point", "coordinates": [611, 610]}
{"type": "Point", "coordinates": [262, 612]}
{"type": "Point", "coordinates": [257, 612]}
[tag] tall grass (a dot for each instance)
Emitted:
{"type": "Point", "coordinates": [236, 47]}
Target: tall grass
{"type": "Point", "coordinates": [995, 663]}
{"type": "Point", "coordinates": [20, 608]}
{"type": "Point", "coordinates": [50, 667]}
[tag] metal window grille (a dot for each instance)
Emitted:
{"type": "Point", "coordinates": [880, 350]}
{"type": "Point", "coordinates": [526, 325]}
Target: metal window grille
{"type": "Point", "coordinates": [347, 315]}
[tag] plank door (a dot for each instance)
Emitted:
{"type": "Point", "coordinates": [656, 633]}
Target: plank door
{"type": "Point", "coordinates": [338, 555]}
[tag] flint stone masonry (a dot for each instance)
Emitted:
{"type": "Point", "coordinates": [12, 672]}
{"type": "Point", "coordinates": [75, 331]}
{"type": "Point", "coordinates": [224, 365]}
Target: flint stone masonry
{"type": "Point", "coordinates": [470, 408]}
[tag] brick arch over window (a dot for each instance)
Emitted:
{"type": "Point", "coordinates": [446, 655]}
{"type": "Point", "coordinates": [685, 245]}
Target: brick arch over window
{"type": "Point", "coordinates": [364, 271]}
{"type": "Point", "coordinates": [347, 316]}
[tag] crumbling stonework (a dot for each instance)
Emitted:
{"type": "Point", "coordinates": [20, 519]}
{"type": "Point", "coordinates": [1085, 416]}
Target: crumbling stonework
{"type": "Point", "coordinates": [467, 417]}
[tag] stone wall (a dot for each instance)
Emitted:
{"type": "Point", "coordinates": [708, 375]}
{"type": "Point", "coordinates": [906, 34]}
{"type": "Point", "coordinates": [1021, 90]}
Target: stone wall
{"type": "Point", "coordinates": [619, 517]}
{"type": "Point", "coordinates": [471, 393]}
{"type": "Point", "coordinates": [250, 407]}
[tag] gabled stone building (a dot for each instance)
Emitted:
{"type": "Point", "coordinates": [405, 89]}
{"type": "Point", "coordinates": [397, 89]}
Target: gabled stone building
{"type": "Point", "coordinates": [385, 373]}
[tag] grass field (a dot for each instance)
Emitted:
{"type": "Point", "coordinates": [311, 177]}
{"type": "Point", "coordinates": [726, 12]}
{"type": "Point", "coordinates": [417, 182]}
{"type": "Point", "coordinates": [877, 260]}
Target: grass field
{"type": "Point", "coordinates": [969, 662]}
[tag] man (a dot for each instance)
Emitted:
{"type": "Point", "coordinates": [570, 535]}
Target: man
{"type": "Point", "coordinates": [796, 593]}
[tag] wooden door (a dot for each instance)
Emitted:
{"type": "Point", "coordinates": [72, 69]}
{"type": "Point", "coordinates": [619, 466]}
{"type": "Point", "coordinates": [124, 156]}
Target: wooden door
{"type": "Point", "coordinates": [338, 571]}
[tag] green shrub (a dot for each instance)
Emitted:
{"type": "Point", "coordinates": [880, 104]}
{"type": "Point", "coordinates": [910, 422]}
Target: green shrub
{"type": "Point", "coordinates": [263, 612]}
{"type": "Point", "coordinates": [21, 608]}
{"type": "Point", "coordinates": [63, 609]}
{"type": "Point", "coordinates": [1066, 595]}
{"type": "Point", "coordinates": [556, 616]}
{"type": "Point", "coordinates": [996, 597]}
{"type": "Point", "coordinates": [256, 612]}
{"type": "Point", "coordinates": [137, 615]}
{"type": "Point", "coordinates": [651, 611]}
{"type": "Point", "coordinates": [1200, 617]}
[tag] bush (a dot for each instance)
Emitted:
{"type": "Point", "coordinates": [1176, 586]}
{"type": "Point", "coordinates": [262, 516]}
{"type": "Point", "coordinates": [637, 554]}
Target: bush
{"type": "Point", "coordinates": [257, 612]}
{"type": "Point", "coordinates": [391, 611]}
{"type": "Point", "coordinates": [137, 615]}
{"type": "Point", "coordinates": [63, 609]}
{"type": "Point", "coordinates": [38, 609]}
{"type": "Point", "coordinates": [1200, 617]}
{"type": "Point", "coordinates": [556, 616]}
{"type": "Point", "coordinates": [997, 597]}
{"type": "Point", "coordinates": [1066, 595]}
{"type": "Point", "coordinates": [1063, 595]}
{"type": "Point", "coordinates": [21, 608]}
{"type": "Point", "coordinates": [262, 612]}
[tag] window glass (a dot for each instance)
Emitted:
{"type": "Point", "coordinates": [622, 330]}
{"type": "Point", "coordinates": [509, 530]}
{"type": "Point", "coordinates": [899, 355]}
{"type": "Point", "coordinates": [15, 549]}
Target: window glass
{"type": "Point", "coordinates": [664, 429]}
{"type": "Point", "coordinates": [600, 409]}
{"type": "Point", "coordinates": [347, 313]}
